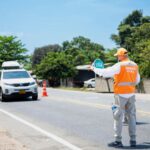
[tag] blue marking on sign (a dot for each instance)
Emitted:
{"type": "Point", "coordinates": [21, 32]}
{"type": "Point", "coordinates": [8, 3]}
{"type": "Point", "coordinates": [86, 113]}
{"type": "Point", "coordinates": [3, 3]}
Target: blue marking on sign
{"type": "Point", "coordinates": [98, 63]}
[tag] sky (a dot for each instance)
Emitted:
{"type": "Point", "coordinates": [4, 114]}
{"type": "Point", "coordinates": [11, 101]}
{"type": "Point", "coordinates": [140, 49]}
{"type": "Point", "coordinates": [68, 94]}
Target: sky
{"type": "Point", "coordinates": [42, 22]}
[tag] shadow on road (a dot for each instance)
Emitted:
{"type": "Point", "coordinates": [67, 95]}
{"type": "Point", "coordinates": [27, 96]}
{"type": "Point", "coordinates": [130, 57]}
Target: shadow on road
{"type": "Point", "coordinates": [138, 123]}
{"type": "Point", "coordinates": [141, 123]}
{"type": "Point", "coordinates": [20, 100]}
{"type": "Point", "coordinates": [145, 145]}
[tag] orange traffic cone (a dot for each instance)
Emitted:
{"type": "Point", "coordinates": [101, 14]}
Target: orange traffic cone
{"type": "Point", "coordinates": [44, 92]}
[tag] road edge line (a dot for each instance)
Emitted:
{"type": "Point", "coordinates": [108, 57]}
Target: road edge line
{"type": "Point", "coordinates": [48, 134]}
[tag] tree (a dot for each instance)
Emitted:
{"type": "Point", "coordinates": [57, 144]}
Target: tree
{"type": "Point", "coordinates": [134, 19]}
{"type": "Point", "coordinates": [61, 64]}
{"type": "Point", "coordinates": [83, 50]}
{"type": "Point", "coordinates": [41, 52]}
{"type": "Point", "coordinates": [134, 34]}
{"type": "Point", "coordinates": [28, 63]}
{"type": "Point", "coordinates": [127, 27]}
{"type": "Point", "coordinates": [144, 57]}
{"type": "Point", "coordinates": [12, 49]}
{"type": "Point", "coordinates": [109, 57]}
{"type": "Point", "coordinates": [56, 65]}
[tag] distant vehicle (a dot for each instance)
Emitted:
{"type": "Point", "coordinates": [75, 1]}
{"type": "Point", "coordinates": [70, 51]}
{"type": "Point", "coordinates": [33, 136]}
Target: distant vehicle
{"type": "Point", "coordinates": [16, 82]}
{"type": "Point", "coordinates": [90, 83]}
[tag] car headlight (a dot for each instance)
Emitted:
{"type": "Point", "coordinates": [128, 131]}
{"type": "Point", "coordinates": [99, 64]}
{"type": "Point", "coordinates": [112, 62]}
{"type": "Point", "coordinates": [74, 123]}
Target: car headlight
{"type": "Point", "coordinates": [8, 84]}
{"type": "Point", "coordinates": [32, 83]}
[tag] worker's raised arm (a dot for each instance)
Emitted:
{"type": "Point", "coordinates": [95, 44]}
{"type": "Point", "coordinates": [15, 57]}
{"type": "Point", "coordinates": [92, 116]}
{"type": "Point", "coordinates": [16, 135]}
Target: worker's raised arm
{"type": "Point", "coordinates": [108, 72]}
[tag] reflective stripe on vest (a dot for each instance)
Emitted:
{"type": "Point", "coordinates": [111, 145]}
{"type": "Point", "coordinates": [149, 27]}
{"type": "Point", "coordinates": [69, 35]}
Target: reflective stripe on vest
{"type": "Point", "coordinates": [126, 83]}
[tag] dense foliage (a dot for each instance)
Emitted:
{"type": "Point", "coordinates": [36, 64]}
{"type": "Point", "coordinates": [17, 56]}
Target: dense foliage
{"type": "Point", "coordinates": [12, 49]}
{"type": "Point", "coordinates": [41, 52]}
{"type": "Point", "coordinates": [62, 64]}
{"type": "Point", "coordinates": [134, 35]}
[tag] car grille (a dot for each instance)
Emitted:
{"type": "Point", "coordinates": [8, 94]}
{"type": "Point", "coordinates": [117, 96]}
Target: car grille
{"type": "Point", "coordinates": [21, 84]}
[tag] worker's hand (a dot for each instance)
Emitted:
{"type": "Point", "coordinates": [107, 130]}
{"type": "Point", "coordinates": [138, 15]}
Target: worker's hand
{"type": "Point", "coordinates": [90, 68]}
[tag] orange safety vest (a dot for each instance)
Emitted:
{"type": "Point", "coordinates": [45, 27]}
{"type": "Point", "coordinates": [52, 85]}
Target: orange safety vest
{"type": "Point", "coordinates": [125, 81]}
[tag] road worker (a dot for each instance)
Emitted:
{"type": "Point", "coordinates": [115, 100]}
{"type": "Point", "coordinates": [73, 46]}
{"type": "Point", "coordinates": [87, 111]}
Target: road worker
{"type": "Point", "coordinates": [125, 116]}
{"type": "Point", "coordinates": [126, 77]}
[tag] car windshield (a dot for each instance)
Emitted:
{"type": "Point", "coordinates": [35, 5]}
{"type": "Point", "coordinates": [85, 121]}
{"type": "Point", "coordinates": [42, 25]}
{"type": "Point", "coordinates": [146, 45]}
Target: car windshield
{"type": "Point", "coordinates": [15, 75]}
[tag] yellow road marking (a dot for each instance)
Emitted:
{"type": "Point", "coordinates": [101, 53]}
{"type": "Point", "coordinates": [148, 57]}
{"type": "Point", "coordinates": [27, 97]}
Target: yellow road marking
{"type": "Point", "coordinates": [146, 113]}
{"type": "Point", "coordinates": [94, 105]}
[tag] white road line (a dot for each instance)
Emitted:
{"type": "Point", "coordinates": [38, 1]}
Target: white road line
{"type": "Point", "coordinates": [48, 134]}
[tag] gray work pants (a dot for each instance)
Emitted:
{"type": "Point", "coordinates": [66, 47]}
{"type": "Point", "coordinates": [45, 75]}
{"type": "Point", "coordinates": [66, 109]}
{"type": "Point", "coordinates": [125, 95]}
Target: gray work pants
{"type": "Point", "coordinates": [130, 103]}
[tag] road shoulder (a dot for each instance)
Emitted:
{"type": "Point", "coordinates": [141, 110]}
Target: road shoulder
{"type": "Point", "coordinates": [7, 142]}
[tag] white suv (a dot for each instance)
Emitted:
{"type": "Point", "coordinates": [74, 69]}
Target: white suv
{"type": "Point", "coordinates": [17, 83]}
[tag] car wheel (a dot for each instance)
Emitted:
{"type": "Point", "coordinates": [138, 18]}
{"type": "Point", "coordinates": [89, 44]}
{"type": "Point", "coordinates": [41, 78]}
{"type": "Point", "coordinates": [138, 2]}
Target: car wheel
{"type": "Point", "coordinates": [35, 97]}
{"type": "Point", "coordinates": [89, 86]}
{"type": "Point", "coordinates": [2, 97]}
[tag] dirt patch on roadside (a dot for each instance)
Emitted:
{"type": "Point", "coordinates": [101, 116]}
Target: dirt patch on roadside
{"type": "Point", "coordinates": [8, 143]}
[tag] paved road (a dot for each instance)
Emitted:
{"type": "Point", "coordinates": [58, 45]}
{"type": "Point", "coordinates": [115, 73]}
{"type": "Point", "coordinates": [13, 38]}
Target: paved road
{"type": "Point", "coordinates": [83, 119]}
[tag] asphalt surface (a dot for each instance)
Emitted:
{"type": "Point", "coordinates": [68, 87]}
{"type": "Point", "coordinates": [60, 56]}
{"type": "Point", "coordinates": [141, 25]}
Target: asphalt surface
{"type": "Point", "coordinates": [83, 119]}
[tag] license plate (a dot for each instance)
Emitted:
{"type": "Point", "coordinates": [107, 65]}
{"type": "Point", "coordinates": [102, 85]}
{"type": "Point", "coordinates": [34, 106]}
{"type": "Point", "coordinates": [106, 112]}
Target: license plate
{"type": "Point", "coordinates": [22, 92]}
